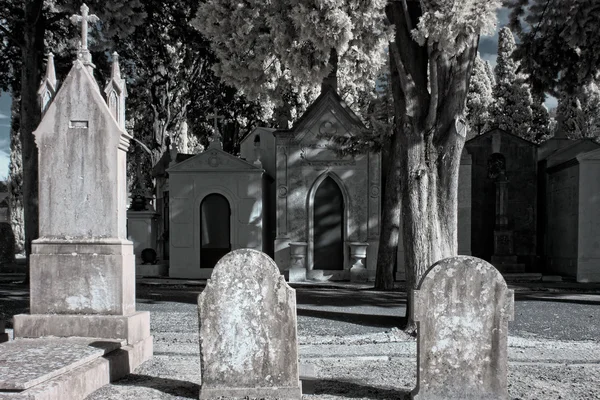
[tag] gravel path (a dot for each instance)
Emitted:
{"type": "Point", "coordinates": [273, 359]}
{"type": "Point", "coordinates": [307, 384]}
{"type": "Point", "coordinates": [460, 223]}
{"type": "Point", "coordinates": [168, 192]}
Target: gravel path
{"type": "Point", "coordinates": [349, 337]}
{"type": "Point", "coordinates": [357, 354]}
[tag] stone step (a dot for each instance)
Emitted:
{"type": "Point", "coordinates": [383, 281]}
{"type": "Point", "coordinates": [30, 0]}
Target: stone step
{"type": "Point", "coordinates": [65, 368]}
{"type": "Point", "coordinates": [522, 277]}
{"type": "Point", "coordinates": [510, 268]}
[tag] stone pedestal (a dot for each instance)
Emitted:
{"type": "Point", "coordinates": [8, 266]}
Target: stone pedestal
{"type": "Point", "coordinates": [358, 254]}
{"type": "Point", "coordinates": [142, 231]}
{"type": "Point", "coordinates": [297, 272]}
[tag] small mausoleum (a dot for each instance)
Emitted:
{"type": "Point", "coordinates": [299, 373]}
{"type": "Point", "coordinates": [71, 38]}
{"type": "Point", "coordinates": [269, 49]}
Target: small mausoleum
{"type": "Point", "coordinates": [215, 206]}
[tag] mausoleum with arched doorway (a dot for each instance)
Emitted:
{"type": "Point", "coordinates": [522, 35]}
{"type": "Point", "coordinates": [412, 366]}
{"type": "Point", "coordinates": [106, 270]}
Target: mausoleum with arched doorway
{"type": "Point", "coordinates": [216, 205]}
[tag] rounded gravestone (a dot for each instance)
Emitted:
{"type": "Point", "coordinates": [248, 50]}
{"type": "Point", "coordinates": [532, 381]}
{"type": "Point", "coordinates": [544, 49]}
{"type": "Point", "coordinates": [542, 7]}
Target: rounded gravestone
{"type": "Point", "coordinates": [462, 307]}
{"type": "Point", "coordinates": [248, 330]}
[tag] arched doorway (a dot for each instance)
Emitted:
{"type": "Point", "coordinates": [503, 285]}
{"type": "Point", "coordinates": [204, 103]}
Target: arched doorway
{"type": "Point", "coordinates": [215, 215]}
{"type": "Point", "coordinates": [328, 225]}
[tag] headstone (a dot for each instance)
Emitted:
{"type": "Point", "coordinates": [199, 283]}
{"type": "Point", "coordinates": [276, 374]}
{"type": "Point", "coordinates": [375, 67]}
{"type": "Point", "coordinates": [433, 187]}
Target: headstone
{"type": "Point", "coordinates": [462, 307]}
{"type": "Point", "coordinates": [248, 330]}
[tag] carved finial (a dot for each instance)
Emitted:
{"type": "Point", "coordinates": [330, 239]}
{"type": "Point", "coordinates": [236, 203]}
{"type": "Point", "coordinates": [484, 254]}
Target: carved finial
{"type": "Point", "coordinates": [116, 92]}
{"type": "Point", "coordinates": [115, 72]}
{"type": "Point", "coordinates": [83, 53]}
{"type": "Point", "coordinates": [48, 86]}
{"type": "Point", "coordinates": [50, 72]}
{"type": "Point", "coordinates": [216, 137]}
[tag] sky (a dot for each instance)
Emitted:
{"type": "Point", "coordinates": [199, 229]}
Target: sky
{"type": "Point", "coordinates": [488, 48]}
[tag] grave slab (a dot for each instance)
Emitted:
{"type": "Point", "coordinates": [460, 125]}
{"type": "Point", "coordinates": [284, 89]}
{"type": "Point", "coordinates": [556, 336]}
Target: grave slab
{"type": "Point", "coordinates": [248, 330]}
{"type": "Point", "coordinates": [25, 363]}
{"type": "Point", "coordinates": [462, 307]}
{"type": "Point", "coordinates": [112, 360]}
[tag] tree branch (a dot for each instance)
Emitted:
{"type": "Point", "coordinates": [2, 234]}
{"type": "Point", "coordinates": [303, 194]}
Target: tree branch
{"type": "Point", "coordinates": [434, 56]}
{"type": "Point", "coordinates": [11, 37]}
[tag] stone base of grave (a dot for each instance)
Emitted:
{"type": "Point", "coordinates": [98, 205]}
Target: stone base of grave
{"type": "Point", "coordinates": [152, 270]}
{"type": "Point", "coordinates": [100, 272]}
{"type": "Point", "coordinates": [286, 393]}
{"type": "Point", "coordinates": [66, 368]}
{"type": "Point", "coordinates": [132, 328]}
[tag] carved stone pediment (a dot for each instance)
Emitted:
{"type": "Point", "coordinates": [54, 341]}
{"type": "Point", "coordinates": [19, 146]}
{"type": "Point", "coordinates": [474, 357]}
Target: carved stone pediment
{"type": "Point", "coordinates": [214, 160]}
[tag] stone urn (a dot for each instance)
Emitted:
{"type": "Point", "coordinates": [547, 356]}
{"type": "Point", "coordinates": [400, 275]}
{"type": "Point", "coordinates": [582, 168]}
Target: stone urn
{"type": "Point", "coordinates": [297, 271]}
{"type": "Point", "coordinates": [358, 253]}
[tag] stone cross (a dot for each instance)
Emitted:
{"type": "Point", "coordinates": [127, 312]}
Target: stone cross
{"type": "Point", "coordinates": [462, 308]}
{"type": "Point", "coordinates": [84, 18]}
{"type": "Point", "coordinates": [216, 117]}
{"type": "Point", "coordinates": [248, 330]}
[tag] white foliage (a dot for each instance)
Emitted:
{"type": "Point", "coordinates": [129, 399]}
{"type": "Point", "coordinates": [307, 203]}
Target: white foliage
{"type": "Point", "coordinates": [512, 110]}
{"type": "Point", "coordinates": [278, 52]}
{"type": "Point", "coordinates": [450, 23]}
{"type": "Point", "coordinates": [479, 97]}
{"type": "Point", "coordinates": [579, 112]}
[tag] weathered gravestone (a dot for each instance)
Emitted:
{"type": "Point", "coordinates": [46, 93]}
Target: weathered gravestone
{"type": "Point", "coordinates": [248, 330]}
{"type": "Point", "coordinates": [462, 308]}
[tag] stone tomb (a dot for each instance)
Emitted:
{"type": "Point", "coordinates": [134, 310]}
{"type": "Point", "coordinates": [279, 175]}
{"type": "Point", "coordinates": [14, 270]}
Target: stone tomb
{"type": "Point", "coordinates": [248, 330]}
{"type": "Point", "coordinates": [82, 265]}
{"type": "Point", "coordinates": [462, 307]}
{"type": "Point", "coordinates": [216, 205]}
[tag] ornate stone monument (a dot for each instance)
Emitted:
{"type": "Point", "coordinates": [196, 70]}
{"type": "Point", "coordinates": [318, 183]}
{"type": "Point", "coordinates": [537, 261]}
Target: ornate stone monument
{"type": "Point", "coordinates": [462, 307]}
{"type": "Point", "coordinates": [248, 330]}
{"type": "Point", "coordinates": [82, 266]}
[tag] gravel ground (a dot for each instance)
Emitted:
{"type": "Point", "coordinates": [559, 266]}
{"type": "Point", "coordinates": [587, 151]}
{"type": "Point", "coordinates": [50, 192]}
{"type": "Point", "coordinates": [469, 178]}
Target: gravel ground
{"type": "Point", "coordinates": [357, 354]}
{"type": "Point", "coordinates": [350, 339]}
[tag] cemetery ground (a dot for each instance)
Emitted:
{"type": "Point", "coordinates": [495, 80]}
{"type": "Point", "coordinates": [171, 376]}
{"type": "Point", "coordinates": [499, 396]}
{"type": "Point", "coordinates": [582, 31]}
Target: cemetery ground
{"type": "Point", "coordinates": [348, 333]}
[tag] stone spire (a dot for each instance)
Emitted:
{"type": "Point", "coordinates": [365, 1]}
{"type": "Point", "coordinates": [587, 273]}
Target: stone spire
{"type": "Point", "coordinates": [116, 92]}
{"type": "Point", "coordinates": [83, 54]}
{"type": "Point", "coordinates": [48, 86]}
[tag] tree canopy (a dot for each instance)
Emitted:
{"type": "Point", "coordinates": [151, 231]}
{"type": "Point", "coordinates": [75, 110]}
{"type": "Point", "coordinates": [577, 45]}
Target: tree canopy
{"type": "Point", "coordinates": [559, 42]}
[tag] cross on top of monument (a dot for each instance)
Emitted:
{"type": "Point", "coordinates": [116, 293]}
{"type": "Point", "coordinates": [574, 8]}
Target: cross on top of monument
{"type": "Point", "coordinates": [216, 135]}
{"type": "Point", "coordinates": [83, 52]}
{"type": "Point", "coordinates": [84, 18]}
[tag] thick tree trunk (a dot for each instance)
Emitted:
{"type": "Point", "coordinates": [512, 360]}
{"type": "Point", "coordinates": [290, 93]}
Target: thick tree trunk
{"type": "Point", "coordinates": [430, 86]}
{"type": "Point", "coordinates": [429, 205]}
{"type": "Point", "coordinates": [390, 220]}
{"type": "Point", "coordinates": [32, 53]}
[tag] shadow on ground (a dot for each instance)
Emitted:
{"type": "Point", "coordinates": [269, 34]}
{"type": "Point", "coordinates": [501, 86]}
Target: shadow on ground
{"type": "Point", "coordinates": [353, 390]}
{"type": "Point", "coordinates": [384, 321]}
{"type": "Point", "coordinates": [173, 387]}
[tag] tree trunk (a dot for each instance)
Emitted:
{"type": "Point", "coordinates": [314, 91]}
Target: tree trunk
{"type": "Point", "coordinates": [430, 87]}
{"type": "Point", "coordinates": [429, 206]}
{"type": "Point", "coordinates": [32, 52]}
{"type": "Point", "coordinates": [15, 177]}
{"type": "Point", "coordinates": [390, 220]}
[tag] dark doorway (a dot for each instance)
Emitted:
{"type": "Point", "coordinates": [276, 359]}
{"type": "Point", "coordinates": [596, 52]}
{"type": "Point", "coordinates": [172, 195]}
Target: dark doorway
{"type": "Point", "coordinates": [215, 242]}
{"type": "Point", "coordinates": [328, 226]}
